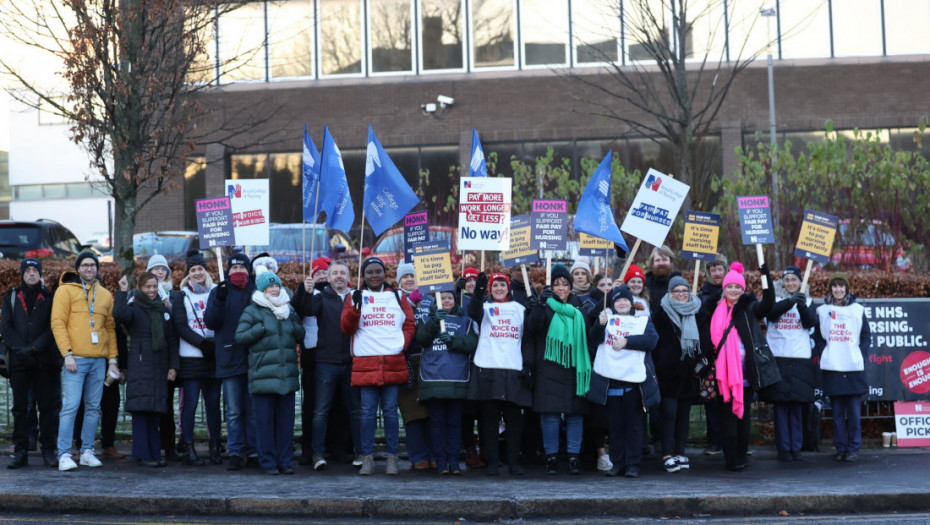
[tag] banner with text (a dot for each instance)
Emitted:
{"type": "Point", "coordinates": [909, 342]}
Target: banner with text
{"type": "Point", "coordinates": [755, 219]}
{"type": "Point", "coordinates": [550, 225]}
{"type": "Point", "coordinates": [593, 246]}
{"type": "Point", "coordinates": [484, 213]}
{"type": "Point", "coordinates": [702, 231]}
{"type": "Point", "coordinates": [433, 266]}
{"type": "Point", "coordinates": [655, 207]}
{"type": "Point", "coordinates": [215, 223]}
{"type": "Point", "coordinates": [251, 217]}
{"type": "Point", "coordinates": [912, 424]}
{"type": "Point", "coordinates": [416, 231]}
{"type": "Point", "coordinates": [521, 250]}
{"type": "Point", "coordinates": [816, 239]}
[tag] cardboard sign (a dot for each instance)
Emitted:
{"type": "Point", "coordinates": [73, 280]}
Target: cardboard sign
{"type": "Point", "coordinates": [550, 225]}
{"type": "Point", "coordinates": [521, 250]}
{"type": "Point", "coordinates": [215, 223]}
{"type": "Point", "coordinates": [702, 230]}
{"type": "Point", "coordinates": [655, 207]}
{"type": "Point", "coordinates": [484, 213]}
{"type": "Point", "coordinates": [433, 266]}
{"type": "Point", "coordinates": [816, 239]}
{"type": "Point", "coordinates": [912, 423]}
{"type": "Point", "coordinates": [416, 231]}
{"type": "Point", "coordinates": [251, 217]}
{"type": "Point", "coordinates": [593, 246]}
{"type": "Point", "coordinates": [755, 219]}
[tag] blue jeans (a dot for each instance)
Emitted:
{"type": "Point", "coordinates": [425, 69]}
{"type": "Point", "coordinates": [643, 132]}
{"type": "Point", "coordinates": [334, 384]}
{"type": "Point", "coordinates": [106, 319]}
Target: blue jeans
{"type": "Point", "coordinates": [211, 406]}
{"type": "Point", "coordinates": [146, 438]}
{"type": "Point", "coordinates": [329, 377]}
{"type": "Point", "coordinates": [240, 422]}
{"type": "Point", "coordinates": [847, 423]}
{"type": "Point", "coordinates": [87, 380]}
{"type": "Point", "coordinates": [372, 396]}
{"type": "Point", "coordinates": [574, 428]}
{"type": "Point", "coordinates": [789, 426]}
{"type": "Point", "coordinates": [418, 441]}
{"type": "Point", "coordinates": [274, 416]}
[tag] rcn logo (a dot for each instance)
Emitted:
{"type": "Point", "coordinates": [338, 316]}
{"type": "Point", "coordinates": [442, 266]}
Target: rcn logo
{"type": "Point", "coordinates": [234, 191]}
{"type": "Point", "coordinates": [832, 314]}
{"type": "Point", "coordinates": [494, 311]}
{"type": "Point", "coordinates": [370, 299]}
{"type": "Point", "coordinates": [653, 182]}
{"type": "Point", "coordinates": [467, 183]}
{"type": "Point", "coordinates": [615, 322]}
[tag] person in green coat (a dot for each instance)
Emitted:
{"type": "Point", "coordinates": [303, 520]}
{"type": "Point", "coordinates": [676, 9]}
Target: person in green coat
{"type": "Point", "coordinates": [270, 328]}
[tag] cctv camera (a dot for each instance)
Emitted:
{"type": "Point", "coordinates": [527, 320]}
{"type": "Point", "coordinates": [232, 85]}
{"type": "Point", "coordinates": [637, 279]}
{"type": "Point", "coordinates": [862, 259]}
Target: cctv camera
{"type": "Point", "coordinates": [445, 101]}
{"type": "Point", "coordinates": [428, 108]}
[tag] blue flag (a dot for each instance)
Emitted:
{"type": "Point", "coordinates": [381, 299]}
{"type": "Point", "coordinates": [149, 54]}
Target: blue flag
{"type": "Point", "coordinates": [335, 197]}
{"type": "Point", "coordinates": [388, 197]}
{"type": "Point", "coordinates": [594, 215]}
{"type": "Point", "coordinates": [476, 166]}
{"type": "Point", "coordinates": [311, 177]}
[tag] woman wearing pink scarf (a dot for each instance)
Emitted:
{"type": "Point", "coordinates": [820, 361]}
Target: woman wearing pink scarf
{"type": "Point", "coordinates": [734, 328]}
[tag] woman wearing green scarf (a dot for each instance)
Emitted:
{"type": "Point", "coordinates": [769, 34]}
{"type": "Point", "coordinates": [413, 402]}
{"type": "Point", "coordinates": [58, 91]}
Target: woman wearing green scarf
{"type": "Point", "coordinates": [152, 362]}
{"type": "Point", "coordinates": [563, 367]}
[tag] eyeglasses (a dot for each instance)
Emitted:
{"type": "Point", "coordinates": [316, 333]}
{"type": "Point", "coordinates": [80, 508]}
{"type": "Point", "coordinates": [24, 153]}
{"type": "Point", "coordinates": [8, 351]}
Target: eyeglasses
{"type": "Point", "coordinates": [681, 292]}
{"type": "Point", "coordinates": [90, 265]}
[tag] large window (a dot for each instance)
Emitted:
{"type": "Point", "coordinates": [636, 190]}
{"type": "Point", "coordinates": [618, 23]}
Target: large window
{"type": "Point", "coordinates": [341, 37]}
{"type": "Point", "coordinates": [645, 29]}
{"type": "Point", "coordinates": [544, 32]}
{"type": "Point", "coordinates": [242, 39]}
{"type": "Point", "coordinates": [442, 27]}
{"type": "Point", "coordinates": [391, 23]}
{"type": "Point", "coordinates": [907, 24]}
{"type": "Point", "coordinates": [493, 27]}
{"type": "Point", "coordinates": [290, 46]}
{"type": "Point", "coordinates": [595, 31]}
{"type": "Point", "coordinates": [857, 28]}
{"type": "Point", "coordinates": [750, 32]}
{"type": "Point", "coordinates": [805, 28]}
{"type": "Point", "coordinates": [707, 31]}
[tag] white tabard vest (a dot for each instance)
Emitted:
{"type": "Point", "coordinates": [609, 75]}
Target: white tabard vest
{"type": "Point", "coordinates": [311, 329]}
{"type": "Point", "coordinates": [501, 334]}
{"type": "Point", "coordinates": [381, 326]}
{"type": "Point", "coordinates": [194, 306]}
{"type": "Point", "coordinates": [787, 338]}
{"type": "Point", "coordinates": [840, 327]}
{"type": "Point", "coordinates": [621, 365]}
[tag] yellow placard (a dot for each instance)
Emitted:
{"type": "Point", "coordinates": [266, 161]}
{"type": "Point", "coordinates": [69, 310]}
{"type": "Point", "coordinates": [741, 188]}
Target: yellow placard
{"type": "Point", "coordinates": [433, 266]}
{"type": "Point", "coordinates": [520, 251]}
{"type": "Point", "coordinates": [590, 242]}
{"type": "Point", "coordinates": [815, 241]}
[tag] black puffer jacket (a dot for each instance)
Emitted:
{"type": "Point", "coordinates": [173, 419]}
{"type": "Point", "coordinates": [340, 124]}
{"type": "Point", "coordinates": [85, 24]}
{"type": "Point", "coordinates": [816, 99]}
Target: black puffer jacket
{"type": "Point", "coordinates": [676, 376]}
{"type": "Point", "coordinates": [22, 330]}
{"type": "Point", "coordinates": [332, 344]}
{"type": "Point", "coordinates": [147, 370]}
{"type": "Point", "coordinates": [554, 389]}
{"type": "Point", "coordinates": [798, 376]}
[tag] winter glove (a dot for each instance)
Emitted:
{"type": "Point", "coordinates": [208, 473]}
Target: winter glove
{"type": "Point", "coordinates": [357, 299]}
{"type": "Point", "coordinates": [222, 291]}
{"type": "Point", "coordinates": [764, 270]}
{"type": "Point", "coordinates": [416, 296]}
{"type": "Point", "coordinates": [481, 284]}
{"type": "Point", "coordinates": [527, 377]}
{"type": "Point", "coordinates": [596, 295]}
{"type": "Point", "coordinates": [545, 295]}
{"type": "Point", "coordinates": [799, 299]}
{"type": "Point", "coordinates": [459, 285]}
{"type": "Point", "coordinates": [445, 337]}
{"type": "Point", "coordinates": [440, 314]}
{"type": "Point", "coordinates": [208, 348]}
{"type": "Point", "coordinates": [320, 285]}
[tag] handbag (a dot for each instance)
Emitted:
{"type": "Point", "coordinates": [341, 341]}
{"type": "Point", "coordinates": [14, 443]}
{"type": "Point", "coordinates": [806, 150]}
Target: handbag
{"type": "Point", "coordinates": [767, 373]}
{"type": "Point", "coordinates": [709, 390]}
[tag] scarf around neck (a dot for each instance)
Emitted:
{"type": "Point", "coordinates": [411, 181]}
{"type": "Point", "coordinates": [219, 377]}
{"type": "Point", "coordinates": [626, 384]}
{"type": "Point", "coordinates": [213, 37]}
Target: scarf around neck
{"type": "Point", "coordinates": [567, 344]}
{"type": "Point", "coordinates": [728, 364]}
{"type": "Point", "coordinates": [197, 288]}
{"type": "Point", "coordinates": [156, 312]}
{"type": "Point", "coordinates": [279, 305]}
{"type": "Point", "coordinates": [581, 289]}
{"type": "Point", "coordinates": [682, 316]}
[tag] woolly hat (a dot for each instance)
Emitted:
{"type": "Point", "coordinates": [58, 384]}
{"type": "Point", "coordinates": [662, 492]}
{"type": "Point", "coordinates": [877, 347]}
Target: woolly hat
{"type": "Point", "coordinates": [157, 260]}
{"type": "Point", "coordinates": [86, 254]}
{"type": "Point", "coordinates": [580, 264]}
{"type": "Point", "coordinates": [735, 276]}
{"type": "Point", "coordinates": [238, 258]}
{"type": "Point", "coordinates": [369, 261]}
{"type": "Point", "coordinates": [677, 281]}
{"type": "Point", "coordinates": [620, 292]}
{"type": "Point", "coordinates": [503, 277]}
{"type": "Point", "coordinates": [561, 271]}
{"type": "Point", "coordinates": [194, 258]}
{"type": "Point", "coordinates": [27, 262]}
{"type": "Point", "coordinates": [265, 278]}
{"type": "Point", "coordinates": [634, 271]}
{"type": "Point", "coordinates": [792, 270]}
{"type": "Point", "coordinates": [470, 273]}
{"type": "Point", "coordinates": [842, 277]}
{"type": "Point", "coordinates": [266, 260]}
{"type": "Point", "coordinates": [319, 264]}
{"type": "Point", "coordinates": [405, 268]}
{"type": "Point", "coordinates": [719, 260]}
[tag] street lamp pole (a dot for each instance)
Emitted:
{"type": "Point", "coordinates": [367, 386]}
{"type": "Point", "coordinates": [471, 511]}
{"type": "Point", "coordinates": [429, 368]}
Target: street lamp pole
{"type": "Point", "coordinates": [770, 13]}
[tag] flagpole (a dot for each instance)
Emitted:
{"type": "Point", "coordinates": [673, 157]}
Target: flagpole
{"type": "Point", "coordinates": [462, 291]}
{"type": "Point", "coordinates": [316, 211]}
{"type": "Point", "coordinates": [629, 258]}
{"type": "Point", "coordinates": [361, 244]}
{"type": "Point", "coordinates": [303, 245]}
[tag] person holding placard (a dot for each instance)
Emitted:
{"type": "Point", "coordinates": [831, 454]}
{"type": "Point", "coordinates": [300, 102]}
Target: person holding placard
{"type": "Point", "coordinates": [733, 338]}
{"type": "Point", "coordinates": [675, 356]}
{"type": "Point", "coordinates": [563, 367]}
{"type": "Point", "coordinates": [465, 286]}
{"type": "Point", "coordinates": [502, 372]}
{"type": "Point", "coordinates": [381, 323]}
{"type": "Point", "coordinates": [622, 379]}
{"type": "Point", "coordinates": [444, 374]}
{"type": "Point", "coordinates": [844, 336]}
{"type": "Point", "coordinates": [789, 325]}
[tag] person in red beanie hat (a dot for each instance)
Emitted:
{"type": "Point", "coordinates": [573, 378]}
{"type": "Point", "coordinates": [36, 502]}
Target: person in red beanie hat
{"type": "Point", "coordinates": [466, 283]}
{"type": "Point", "coordinates": [635, 280]}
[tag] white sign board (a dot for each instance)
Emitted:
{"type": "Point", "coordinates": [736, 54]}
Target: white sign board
{"type": "Point", "coordinates": [251, 215]}
{"type": "Point", "coordinates": [484, 213]}
{"type": "Point", "coordinates": [655, 207]}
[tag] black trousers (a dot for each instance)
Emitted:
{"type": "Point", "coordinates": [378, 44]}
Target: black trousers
{"type": "Point", "coordinates": [734, 431]}
{"type": "Point", "coordinates": [491, 412]}
{"type": "Point", "coordinates": [625, 423]}
{"type": "Point", "coordinates": [46, 386]}
{"type": "Point", "coordinates": [676, 417]}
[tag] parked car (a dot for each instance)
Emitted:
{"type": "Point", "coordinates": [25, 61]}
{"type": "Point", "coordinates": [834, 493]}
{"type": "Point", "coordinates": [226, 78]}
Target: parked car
{"type": "Point", "coordinates": [173, 245]}
{"type": "Point", "coordinates": [389, 247]}
{"type": "Point", "coordinates": [288, 242]}
{"type": "Point", "coordinates": [873, 246]}
{"type": "Point", "coordinates": [39, 239]}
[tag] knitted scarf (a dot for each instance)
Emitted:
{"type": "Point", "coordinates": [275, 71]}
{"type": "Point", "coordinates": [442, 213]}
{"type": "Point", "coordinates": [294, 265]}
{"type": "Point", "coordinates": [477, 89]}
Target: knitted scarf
{"type": "Point", "coordinates": [156, 311]}
{"type": "Point", "coordinates": [682, 316]}
{"type": "Point", "coordinates": [567, 343]}
{"type": "Point", "coordinates": [728, 364]}
{"type": "Point", "coordinates": [581, 289]}
{"type": "Point", "coordinates": [279, 306]}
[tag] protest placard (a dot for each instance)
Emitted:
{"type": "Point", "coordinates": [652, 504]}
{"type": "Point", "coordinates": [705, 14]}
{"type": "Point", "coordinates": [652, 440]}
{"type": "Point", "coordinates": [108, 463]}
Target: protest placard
{"type": "Point", "coordinates": [702, 231]}
{"type": "Point", "coordinates": [550, 225]}
{"type": "Point", "coordinates": [593, 246]}
{"type": "Point", "coordinates": [815, 241]}
{"type": "Point", "coordinates": [912, 423]}
{"type": "Point", "coordinates": [521, 251]}
{"type": "Point", "coordinates": [755, 222]}
{"type": "Point", "coordinates": [433, 266]}
{"type": "Point", "coordinates": [484, 213]}
{"type": "Point", "coordinates": [215, 223]}
{"type": "Point", "coordinates": [250, 211]}
{"type": "Point", "coordinates": [416, 231]}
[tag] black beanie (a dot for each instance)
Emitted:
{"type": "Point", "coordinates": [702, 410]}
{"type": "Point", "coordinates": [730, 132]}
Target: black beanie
{"type": "Point", "coordinates": [239, 258]}
{"type": "Point", "coordinates": [792, 270]}
{"type": "Point", "coordinates": [27, 262]}
{"type": "Point", "coordinates": [560, 270]}
{"type": "Point", "coordinates": [84, 255]}
{"type": "Point", "coordinates": [369, 261]}
{"type": "Point", "coordinates": [618, 292]}
{"type": "Point", "coordinates": [194, 258]}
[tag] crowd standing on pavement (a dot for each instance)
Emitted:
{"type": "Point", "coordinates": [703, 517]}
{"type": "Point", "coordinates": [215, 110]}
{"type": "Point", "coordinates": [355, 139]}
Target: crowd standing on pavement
{"type": "Point", "coordinates": [587, 363]}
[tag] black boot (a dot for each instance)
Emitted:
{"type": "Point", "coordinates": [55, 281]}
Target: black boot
{"type": "Point", "coordinates": [552, 464]}
{"type": "Point", "coordinates": [190, 456]}
{"type": "Point", "coordinates": [50, 457]}
{"type": "Point", "coordinates": [215, 455]}
{"type": "Point", "coordinates": [235, 463]}
{"type": "Point", "coordinates": [20, 460]}
{"type": "Point", "coordinates": [574, 465]}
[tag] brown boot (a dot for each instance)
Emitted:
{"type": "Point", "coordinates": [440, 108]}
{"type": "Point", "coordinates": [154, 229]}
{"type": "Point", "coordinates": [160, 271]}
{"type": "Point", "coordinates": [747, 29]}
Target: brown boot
{"type": "Point", "coordinates": [472, 459]}
{"type": "Point", "coordinates": [112, 453]}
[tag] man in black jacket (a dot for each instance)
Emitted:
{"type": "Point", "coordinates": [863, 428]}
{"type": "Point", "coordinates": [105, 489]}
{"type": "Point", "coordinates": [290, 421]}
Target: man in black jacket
{"type": "Point", "coordinates": [714, 272]}
{"type": "Point", "coordinates": [35, 362]}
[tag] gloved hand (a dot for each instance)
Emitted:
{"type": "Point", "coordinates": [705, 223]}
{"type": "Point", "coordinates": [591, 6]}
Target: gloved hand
{"type": "Point", "coordinates": [529, 380]}
{"type": "Point", "coordinates": [764, 270]}
{"type": "Point", "coordinates": [440, 314]}
{"type": "Point", "coordinates": [357, 299]}
{"type": "Point", "coordinates": [416, 296]}
{"type": "Point", "coordinates": [799, 299]}
{"type": "Point", "coordinates": [222, 291]}
{"type": "Point", "coordinates": [319, 285]}
{"type": "Point", "coordinates": [445, 337]}
{"type": "Point", "coordinates": [208, 348]}
{"type": "Point", "coordinates": [481, 284]}
{"type": "Point", "coordinates": [459, 285]}
{"type": "Point", "coordinates": [546, 294]}
{"type": "Point", "coordinates": [596, 295]}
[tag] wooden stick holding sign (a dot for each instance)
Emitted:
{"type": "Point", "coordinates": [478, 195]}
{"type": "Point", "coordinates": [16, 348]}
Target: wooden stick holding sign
{"type": "Point", "coordinates": [442, 322]}
{"type": "Point", "coordinates": [761, 256]}
{"type": "Point", "coordinates": [630, 256]}
{"type": "Point", "coordinates": [807, 276]}
{"type": "Point", "coordinates": [697, 271]}
{"type": "Point", "coordinates": [548, 267]}
{"type": "Point", "coordinates": [361, 244]}
{"type": "Point", "coordinates": [219, 262]}
{"type": "Point", "coordinates": [526, 280]}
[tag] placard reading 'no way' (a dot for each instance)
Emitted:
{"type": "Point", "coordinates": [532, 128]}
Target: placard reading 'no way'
{"type": "Point", "coordinates": [215, 223]}
{"type": "Point", "coordinates": [433, 266]}
{"type": "Point", "coordinates": [550, 225]}
{"type": "Point", "coordinates": [484, 213]}
{"type": "Point", "coordinates": [755, 219]}
{"type": "Point", "coordinates": [816, 239]}
{"type": "Point", "coordinates": [521, 250]}
{"type": "Point", "coordinates": [416, 230]}
{"type": "Point", "coordinates": [655, 207]}
{"type": "Point", "coordinates": [702, 230]}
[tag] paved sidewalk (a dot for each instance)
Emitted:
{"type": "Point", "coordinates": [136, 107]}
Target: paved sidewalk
{"type": "Point", "coordinates": [882, 480]}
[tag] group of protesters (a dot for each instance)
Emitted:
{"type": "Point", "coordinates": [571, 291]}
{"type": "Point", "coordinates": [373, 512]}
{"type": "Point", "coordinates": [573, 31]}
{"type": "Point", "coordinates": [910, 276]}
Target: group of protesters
{"type": "Point", "coordinates": [585, 360]}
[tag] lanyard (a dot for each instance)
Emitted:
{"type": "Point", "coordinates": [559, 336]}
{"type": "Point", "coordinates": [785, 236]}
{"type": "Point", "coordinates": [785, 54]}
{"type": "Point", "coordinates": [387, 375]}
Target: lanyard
{"type": "Point", "coordinates": [90, 302]}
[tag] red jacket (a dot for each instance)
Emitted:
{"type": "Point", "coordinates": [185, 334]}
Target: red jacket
{"type": "Point", "coordinates": [378, 370]}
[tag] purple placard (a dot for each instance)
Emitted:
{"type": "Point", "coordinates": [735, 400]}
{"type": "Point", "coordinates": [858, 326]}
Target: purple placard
{"type": "Point", "coordinates": [416, 231]}
{"type": "Point", "coordinates": [215, 223]}
{"type": "Point", "coordinates": [550, 225]}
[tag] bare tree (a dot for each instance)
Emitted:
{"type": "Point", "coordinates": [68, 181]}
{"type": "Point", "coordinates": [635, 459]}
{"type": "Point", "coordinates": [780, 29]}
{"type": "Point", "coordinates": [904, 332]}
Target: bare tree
{"type": "Point", "coordinates": [679, 67]}
{"type": "Point", "coordinates": [132, 73]}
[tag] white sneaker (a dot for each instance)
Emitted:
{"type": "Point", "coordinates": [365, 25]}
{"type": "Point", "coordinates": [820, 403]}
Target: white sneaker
{"type": "Point", "coordinates": [88, 459]}
{"type": "Point", "coordinates": [603, 463]}
{"type": "Point", "coordinates": [671, 465]}
{"type": "Point", "coordinates": [683, 462]}
{"type": "Point", "coordinates": [357, 462]}
{"type": "Point", "coordinates": [65, 463]}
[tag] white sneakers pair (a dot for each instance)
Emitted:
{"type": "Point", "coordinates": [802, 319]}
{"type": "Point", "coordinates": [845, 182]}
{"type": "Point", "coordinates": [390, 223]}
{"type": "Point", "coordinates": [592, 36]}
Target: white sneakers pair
{"type": "Point", "coordinates": [603, 463]}
{"type": "Point", "coordinates": [88, 459]}
{"type": "Point", "coordinates": [676, 463]}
